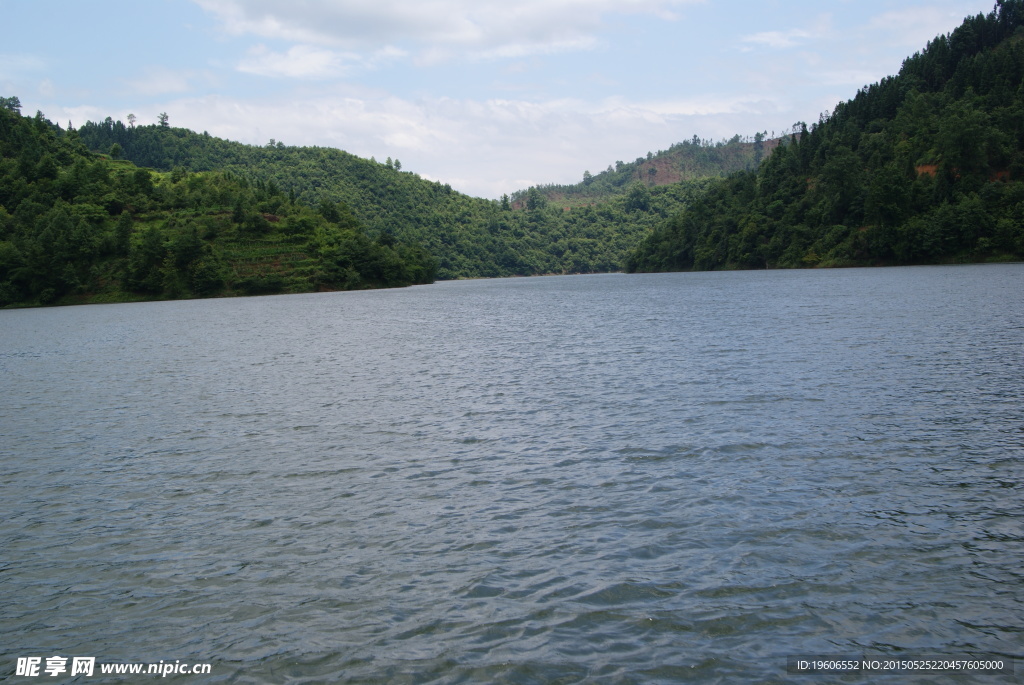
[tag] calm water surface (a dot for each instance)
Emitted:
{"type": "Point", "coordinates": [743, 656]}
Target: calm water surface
{"type": "Point", "coordinates": [658, 478]}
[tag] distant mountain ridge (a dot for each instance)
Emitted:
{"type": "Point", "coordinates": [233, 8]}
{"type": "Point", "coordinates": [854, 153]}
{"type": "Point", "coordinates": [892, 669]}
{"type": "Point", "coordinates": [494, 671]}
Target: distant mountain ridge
{"type": "Point", "coordinates": [691, 160]}
{"type": "Point", "coordinates": [471, 237]}
{"type": "Point", "coordinates": [923, 167]}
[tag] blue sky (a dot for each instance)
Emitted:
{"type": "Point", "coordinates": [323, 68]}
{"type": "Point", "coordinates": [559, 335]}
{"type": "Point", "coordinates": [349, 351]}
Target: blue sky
{"type": "Point", "coordinates": [489, 96]}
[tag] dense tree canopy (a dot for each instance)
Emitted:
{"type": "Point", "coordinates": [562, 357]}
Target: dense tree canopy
{"type": "Point", "coordinates": [923, 167]}
{"type": "Point", "coordinates": [550, 229]}
{"type": "Point", "coordinates": [76, 227]}
{"type": "Point", "coordinates": [926, 166]}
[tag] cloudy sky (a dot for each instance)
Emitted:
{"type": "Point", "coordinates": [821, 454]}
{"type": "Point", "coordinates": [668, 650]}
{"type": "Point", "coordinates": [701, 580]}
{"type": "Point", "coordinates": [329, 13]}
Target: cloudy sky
{"type": "Point", "coordinates": [490, 96]}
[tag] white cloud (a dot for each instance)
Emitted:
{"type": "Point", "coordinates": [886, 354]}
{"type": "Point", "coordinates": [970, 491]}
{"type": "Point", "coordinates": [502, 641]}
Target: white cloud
{"type": "Point", "coordinates": [853, 78]}
{"type": "Point", "coordinates": [300, 61]}
{"type": "Point", "coordinates": [914, 27]}
{"type": "Point", "coordinates": [440, 28]}
{"type": "Point", "coordinates": [17, 66]}
{"type": "Point", "coordinates": [76, 115]}
{"type": "Point", "coordinates": [481, 147]}
{"type": "Point", "coordinates": [162, 81]}
{"type": "Point", "coordinates": [777, 39]}
{"type": "Point", "coordinates": [818, 29]}
{"type": "Point", "coordinates": [311, 62]}
{"type": "Point", "coordinates": [708, 105]}
{"type": "Point", "coordinates": [517, 50]}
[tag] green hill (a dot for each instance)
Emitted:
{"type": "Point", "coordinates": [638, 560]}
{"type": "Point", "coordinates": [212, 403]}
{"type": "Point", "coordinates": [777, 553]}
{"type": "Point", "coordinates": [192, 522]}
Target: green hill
{"type": "Point", "coordinates": [76, 228]}
{"type": "Point", "coordinates": [923, 167]}
{"type": "Point", "coordinates": [692, 160]}
{"type": "Point", "coordinates": [470, 237]}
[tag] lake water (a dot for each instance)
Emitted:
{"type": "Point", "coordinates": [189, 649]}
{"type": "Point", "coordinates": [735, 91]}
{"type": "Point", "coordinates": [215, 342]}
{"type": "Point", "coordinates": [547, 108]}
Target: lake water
{"type": "Point", "coordinates": [611, 478]}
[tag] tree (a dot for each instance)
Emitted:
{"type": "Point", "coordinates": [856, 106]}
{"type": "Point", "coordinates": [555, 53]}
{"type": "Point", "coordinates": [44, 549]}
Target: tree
{"type": "Point", "coordinates": [638, 198]}
{"type": "Point", "coordinates": [131, 120]}
{"type": "Point", "coordinates": [163, 119]}
{"type": "Point", "coordinates": [143, 182]}
{"type": "Point", "coordinates": [145, 261]}
{"type": "Point", "coordinates": [329, 211]}
{"type": "Point", "coordinates": [186, 247]}
{"type": "Point", "coordinates": [123, 234]}
{"type": "Point", "coordinates": [534, 199]}
{"type": "Point", "coordinates": [115, 151]}
{"type": "Point", "coordinates": [47, 168]}
{"type": "Point", "coordinates": [87, 228]}
{"type": "Point", "coordinates": [205, 276]}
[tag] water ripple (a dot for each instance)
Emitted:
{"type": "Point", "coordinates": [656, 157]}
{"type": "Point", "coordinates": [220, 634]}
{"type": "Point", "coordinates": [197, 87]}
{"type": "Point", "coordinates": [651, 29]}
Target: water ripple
{"type": "Point", "coordinates": [659, 478]}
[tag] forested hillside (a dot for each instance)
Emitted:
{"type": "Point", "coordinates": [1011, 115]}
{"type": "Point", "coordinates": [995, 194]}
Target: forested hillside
{"type": "Point", "coordinates": [76, 228]}
{"type": "Point", "coordinates": [923, 167]}
{"type": "Point", "coordinates": [690, 160]}
{"type": "Point", "coordinates": [470, 237]}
